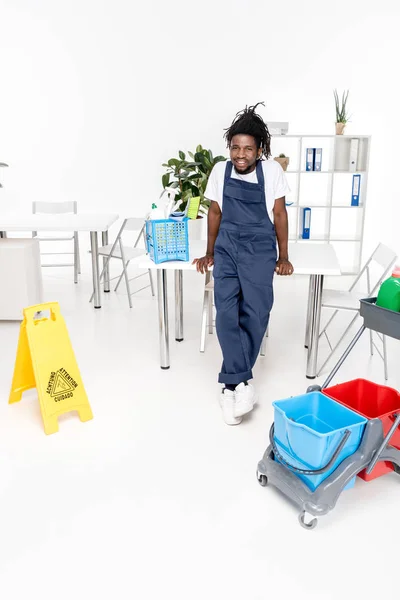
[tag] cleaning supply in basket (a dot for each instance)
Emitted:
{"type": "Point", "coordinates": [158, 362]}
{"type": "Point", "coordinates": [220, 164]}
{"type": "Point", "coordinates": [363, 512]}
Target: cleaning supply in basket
{"type": "Point", "coordinates": [177, 216]}
{"type": "Point", "coordinates": [169, 201]}
{"type": "Point", "coordinates": [389, 292]}
{"type": "Point", "coordinates": [156, 213]}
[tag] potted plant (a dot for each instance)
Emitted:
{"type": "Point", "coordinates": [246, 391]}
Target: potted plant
{"type": "Point", "coordinates": [190, 177]}
{"type": "Point", "coordinates": [283, 160]}
{"type": "Point", "coordinates": [342, 116]}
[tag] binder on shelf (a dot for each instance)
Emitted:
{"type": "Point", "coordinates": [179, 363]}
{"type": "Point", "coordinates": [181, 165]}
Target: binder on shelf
{"type": "Point", "coordinates": [355, 192]}
{"type": "Point", "coordinates": [317, 159]}
{"type": "Point", "coordinates": [310, 159]}
{"type": "Point", "coordinates": [305, 233]}
{"type": "Point", "coordinates": [354, 142]}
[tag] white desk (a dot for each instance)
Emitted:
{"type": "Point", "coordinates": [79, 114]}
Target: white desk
{"type": "Point", "coordinates": [21, 277]}
{"type": "Point", "coordinates": [308, 258]}
{"type": "Point", "coordinates": [89, 222]}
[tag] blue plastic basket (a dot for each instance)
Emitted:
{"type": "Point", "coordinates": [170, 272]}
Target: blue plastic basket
{"type": "Point", "coordinates": [167, 240]}
{"type": "Point", "coordinates": [308, 430]}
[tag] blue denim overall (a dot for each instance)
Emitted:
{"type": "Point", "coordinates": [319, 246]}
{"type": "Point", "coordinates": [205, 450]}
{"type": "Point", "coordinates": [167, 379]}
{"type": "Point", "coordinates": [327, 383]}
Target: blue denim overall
{"type": "Point", "coordinates": [244, 264]}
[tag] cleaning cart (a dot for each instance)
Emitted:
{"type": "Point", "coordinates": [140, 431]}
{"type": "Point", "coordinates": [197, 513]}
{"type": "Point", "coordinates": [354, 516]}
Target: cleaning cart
{"type": "Point", "coordinates": [322, 440]}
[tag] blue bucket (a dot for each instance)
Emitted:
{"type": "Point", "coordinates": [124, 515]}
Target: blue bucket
{"type": "Point", "coordinates": [308, 430]}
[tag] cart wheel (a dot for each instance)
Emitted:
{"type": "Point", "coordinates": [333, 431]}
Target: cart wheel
{"type": "Point", "coordinates": [396, 468]}
{"type": "Point", "coordinates": [311, 525]}
{"type": "Point", "coordinates": [262, 480]}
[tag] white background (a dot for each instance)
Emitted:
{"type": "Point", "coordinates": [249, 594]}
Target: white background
{"type": "Point", "coordinates": [95, 95]}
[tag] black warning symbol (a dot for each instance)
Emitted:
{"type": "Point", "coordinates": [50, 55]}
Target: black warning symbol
{"type": "Point", "coordinates": [61, 385]}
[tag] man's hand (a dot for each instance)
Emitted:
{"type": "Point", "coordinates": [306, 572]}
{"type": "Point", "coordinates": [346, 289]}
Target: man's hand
{"type": "Point", "coordinates": [284, 267]}
{"type": "Point", "coordinates": [202, 264]}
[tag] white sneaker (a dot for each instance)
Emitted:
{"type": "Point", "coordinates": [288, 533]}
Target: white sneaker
{"type": "Point", "coordinates": [245, 397]}
{"type": "Point", "coordinates": [227, 402]}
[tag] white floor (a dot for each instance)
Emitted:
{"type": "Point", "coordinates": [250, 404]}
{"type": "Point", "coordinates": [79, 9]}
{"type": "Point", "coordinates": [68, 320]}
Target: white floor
{"type": "Point", "coordinates": [156, 497]}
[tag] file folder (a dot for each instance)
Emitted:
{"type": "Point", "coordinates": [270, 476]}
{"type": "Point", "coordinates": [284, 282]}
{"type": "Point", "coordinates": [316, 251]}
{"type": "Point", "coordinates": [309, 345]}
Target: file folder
{"type": "Point", "coordinates": [317, 159]}
{"type": "Point", "coordinates": [355, 193]}
{"type": "Point", "coordinates": [310, 159]}
{"type": "Point", "coordinates": [306, 223]}
{"type": "Point", "coordinates": [353, 154]}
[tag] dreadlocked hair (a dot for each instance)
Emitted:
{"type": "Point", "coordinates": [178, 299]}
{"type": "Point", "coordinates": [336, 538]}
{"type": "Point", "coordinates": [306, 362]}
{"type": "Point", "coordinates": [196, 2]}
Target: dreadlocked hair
{"type": "Point", "coordinates": [248, 122]}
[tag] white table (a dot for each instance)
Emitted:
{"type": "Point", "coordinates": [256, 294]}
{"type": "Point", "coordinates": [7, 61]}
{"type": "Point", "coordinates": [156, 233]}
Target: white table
{"type": "Point", "coordinates": [21, 257]}
{"type": "Point", "coordinates": [308, 258]}
{"type": "Point", "coordinates": [90, 222]}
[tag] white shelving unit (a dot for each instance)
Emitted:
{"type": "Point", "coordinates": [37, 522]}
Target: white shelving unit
{"type": "Point", "coordinates": [327, 192]}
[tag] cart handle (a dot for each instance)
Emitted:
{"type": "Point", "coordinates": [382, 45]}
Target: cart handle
{"type": "Point", "coordinates": [338, 450]}
{"type": "Point", "coordinates": [384, 443]}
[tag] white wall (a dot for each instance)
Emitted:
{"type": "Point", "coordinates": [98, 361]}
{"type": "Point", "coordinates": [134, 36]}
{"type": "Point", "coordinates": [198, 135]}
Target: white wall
{"type": "Point", "coordinates": [95, 95]}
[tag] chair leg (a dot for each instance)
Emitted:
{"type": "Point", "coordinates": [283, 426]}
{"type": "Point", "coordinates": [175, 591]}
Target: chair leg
{"type": "Point", "coordinates": [210, 312]}
{"type": "Point", "coordinates": [385, 365]}
{"type": "Point", "coordinates": [204, 321]}
{"type": "Point", "coordinates": [76, 266]}
{"type": "Point", "coordinates": [328, 323]}
{"type": "Point", "coordinates": [151, 282]}
{"type": "Point", "coordinates": [371, 342]}
{"type": "Point", "coordinates": [264, 344]}
{"type": "Point", "coordinates": [119, 280]}
{"type": "Point", "coordinates": [128, 288]}
{"type": "Point", "coordinates": [338, 343]}
{"type": "Point", "coordinates": [327, 338]}
{"type": "Point", "coordinates": [78, 252]}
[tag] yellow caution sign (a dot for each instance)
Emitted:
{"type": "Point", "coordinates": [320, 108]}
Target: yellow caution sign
{"type": "Point", "coordinates": [46, 360]}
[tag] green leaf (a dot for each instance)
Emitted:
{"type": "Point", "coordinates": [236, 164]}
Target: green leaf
{"type": "Point", "coordinates": [204, 162]}
{"type": "Point", "coordinates": [191, 154]}
{"type": "Point", "coordinates": [182, 206]}
{"type": "Point", "coordinates": [182, 155]}
{"type": "Point", "coordinates": [199, 158]}
{"type": "Point", "coordinates": [218, 159]}
{"type": "Point", "coordinates": [183, 174]}
{"type": "Point", "coordinates": [165, 180]}
{"type": "Point", "coordinates": [199, 148]}
{"type": "Point", "coordinates": [187, 193]}
{"type": "Point", "coordinates": [173, 162]}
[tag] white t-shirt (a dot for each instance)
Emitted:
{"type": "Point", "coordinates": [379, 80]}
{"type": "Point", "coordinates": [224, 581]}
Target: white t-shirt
{"type": "Point", "coordinates": [276, 185]}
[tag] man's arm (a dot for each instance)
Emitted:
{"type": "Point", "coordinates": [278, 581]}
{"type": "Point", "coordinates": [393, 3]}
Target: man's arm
{"type": "Point", "coordinates": [283, 266]}
{"type": "Point", "coordinates": [213, 223]}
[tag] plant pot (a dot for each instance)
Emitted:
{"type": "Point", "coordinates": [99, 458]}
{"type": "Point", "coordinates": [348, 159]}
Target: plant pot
{"type": "Point", "coordinates": [340, 128]}
{"type": "Point", "coordinates": [195, 229]}
{"type": "Point", "coordinates": [284, 162]}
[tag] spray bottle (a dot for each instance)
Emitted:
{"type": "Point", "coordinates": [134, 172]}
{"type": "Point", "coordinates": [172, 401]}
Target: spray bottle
{"type": "Point", "coordinates": [169, 203]}
{"type": "Point", "coordinates": [156, 213]}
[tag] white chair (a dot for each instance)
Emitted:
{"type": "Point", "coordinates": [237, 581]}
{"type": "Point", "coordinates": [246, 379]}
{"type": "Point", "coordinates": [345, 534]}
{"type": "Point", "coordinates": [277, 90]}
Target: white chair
{"type": "Point", "coordinates": [207, 319]}
{"type": "Point", "coordinates": [126, 254]}
{"type": "Point", "coordinates": [381, 260]}
{"type": "Point", "coordinates": [59, 208]}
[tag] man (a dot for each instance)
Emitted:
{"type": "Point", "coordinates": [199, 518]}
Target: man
{"type": "Point", "coordinates": [246, 218]}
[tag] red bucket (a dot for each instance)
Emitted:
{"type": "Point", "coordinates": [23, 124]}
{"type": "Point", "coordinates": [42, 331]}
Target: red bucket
{"type": "Point", "coordinates": [372, 401]}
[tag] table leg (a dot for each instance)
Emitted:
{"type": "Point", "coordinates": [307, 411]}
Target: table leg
{"type": "Point", "coordinates": [163, 317]}
{"type": "Point", "coordinates": [307, 336]}
{"type": "Point", "coordinates": [316, 285]}
{"type": "Point", "coordinates": [106, 276]}
{"type": "Point", "coordinates": [179, 305]}
{"type": "Point", "coordinates": [95, 268]}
